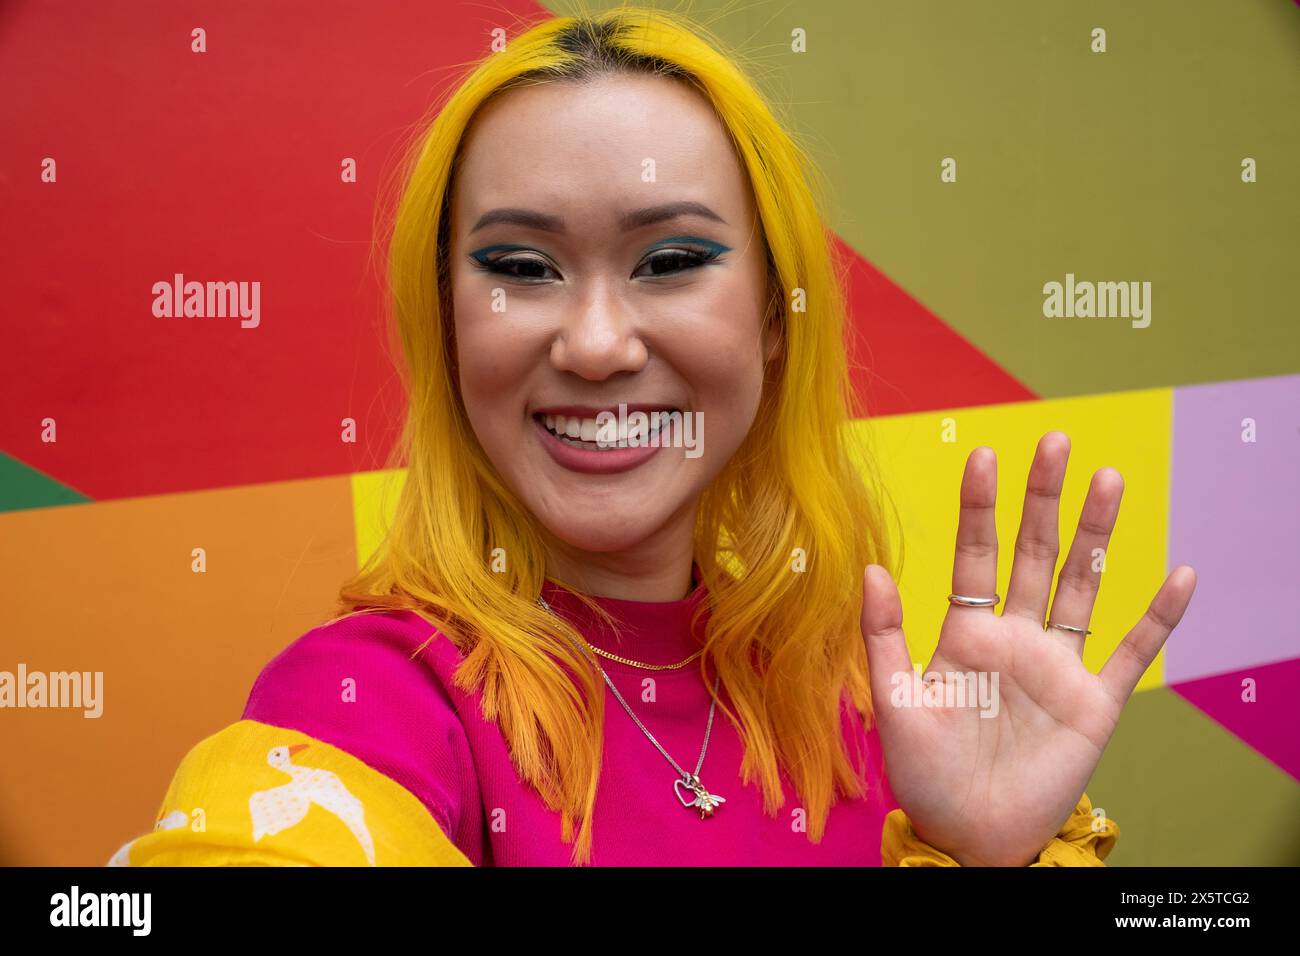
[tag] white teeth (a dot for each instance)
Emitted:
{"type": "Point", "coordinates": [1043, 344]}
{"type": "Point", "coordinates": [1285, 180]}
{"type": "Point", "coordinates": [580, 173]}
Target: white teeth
{"type": "Point", "coordinates": [587, 430]}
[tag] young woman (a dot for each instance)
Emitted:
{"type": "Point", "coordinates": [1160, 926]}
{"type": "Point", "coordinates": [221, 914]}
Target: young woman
{"type": "Point", "coordinates": [596, 643]}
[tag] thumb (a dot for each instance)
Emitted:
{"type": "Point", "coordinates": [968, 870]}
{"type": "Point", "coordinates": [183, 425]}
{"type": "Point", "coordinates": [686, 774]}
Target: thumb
{"type": "Point", "coordinates": [882, 630]}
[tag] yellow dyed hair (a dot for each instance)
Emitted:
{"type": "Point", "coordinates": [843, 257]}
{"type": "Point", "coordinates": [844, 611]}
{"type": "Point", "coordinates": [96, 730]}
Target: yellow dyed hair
{"type": "Point", "coordinates": [787, 644]}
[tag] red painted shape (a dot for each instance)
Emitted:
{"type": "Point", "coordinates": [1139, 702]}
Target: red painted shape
{"type": "Point", "coordinates": [904, 358]}
{"type": "Point", "coordinates": [223, 166]}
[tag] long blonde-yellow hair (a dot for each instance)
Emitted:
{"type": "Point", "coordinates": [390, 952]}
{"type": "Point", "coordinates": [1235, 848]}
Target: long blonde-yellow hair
{"type": "Point", "coordinates": [783, 533]}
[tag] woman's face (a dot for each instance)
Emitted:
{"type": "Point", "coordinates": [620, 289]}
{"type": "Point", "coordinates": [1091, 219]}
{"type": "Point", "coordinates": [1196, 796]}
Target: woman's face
{"type": "Point", "coordinates": [604, 250]}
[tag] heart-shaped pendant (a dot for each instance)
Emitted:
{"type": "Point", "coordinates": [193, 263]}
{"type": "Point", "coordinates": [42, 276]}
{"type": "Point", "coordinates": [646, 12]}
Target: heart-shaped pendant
{"type": "Point", "coordinates": [678, 786]}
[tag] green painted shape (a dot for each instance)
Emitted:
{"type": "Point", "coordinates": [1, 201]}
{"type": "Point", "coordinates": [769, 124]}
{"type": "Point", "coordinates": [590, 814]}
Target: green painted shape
{"type": "Point", "coordinates": [1120, 166]}
{"type": "Point", "coordinates": [22, 487]}
{"type": "Point", "coordinates": [1186, 792]}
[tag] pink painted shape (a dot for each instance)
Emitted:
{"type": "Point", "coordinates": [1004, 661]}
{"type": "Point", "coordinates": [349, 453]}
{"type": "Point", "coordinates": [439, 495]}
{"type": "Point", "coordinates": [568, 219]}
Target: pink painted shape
{"type": "Point", "coordinates": [1269, 723]}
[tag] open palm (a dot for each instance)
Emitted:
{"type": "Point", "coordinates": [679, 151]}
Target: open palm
{"type": "Point", "coordinates": [991, 785]}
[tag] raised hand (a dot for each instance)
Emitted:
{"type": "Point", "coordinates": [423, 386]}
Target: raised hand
{"type": "Point", "coordinates": [995, 790]}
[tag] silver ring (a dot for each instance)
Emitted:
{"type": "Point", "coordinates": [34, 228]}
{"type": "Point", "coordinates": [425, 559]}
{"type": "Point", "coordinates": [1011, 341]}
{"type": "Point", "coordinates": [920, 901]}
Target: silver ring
{"type": "Point", "coordinates": [973, 601]}
{"type": "Point", "coordinates": [1067, 627]}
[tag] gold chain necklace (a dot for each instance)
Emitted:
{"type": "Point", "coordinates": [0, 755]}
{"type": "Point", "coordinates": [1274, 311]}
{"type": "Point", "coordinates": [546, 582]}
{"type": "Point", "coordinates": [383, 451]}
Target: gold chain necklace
{"type": "Point", "coordinates": [641, 664]}
{"type": "Point", "coordinates": [649, 667]}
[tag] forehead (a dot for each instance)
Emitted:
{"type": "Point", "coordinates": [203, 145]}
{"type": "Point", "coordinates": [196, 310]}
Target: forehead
{"type": "Point", "coordinates": [592, 146]}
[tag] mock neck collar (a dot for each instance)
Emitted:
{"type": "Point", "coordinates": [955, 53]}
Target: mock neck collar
{"type": "Point", "coordinates": [653, 632]}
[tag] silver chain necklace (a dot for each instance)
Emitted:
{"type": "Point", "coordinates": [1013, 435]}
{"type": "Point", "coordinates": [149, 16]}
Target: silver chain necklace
{"type": "Point", "coordinates": [689, 782]}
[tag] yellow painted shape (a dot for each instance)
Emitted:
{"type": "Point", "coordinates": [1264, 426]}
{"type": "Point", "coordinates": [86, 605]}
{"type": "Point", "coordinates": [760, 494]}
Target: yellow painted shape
{"type": "Point", "coordinates": [374, 502]}
{"type": "Point", "coordinates": [1130, 431]}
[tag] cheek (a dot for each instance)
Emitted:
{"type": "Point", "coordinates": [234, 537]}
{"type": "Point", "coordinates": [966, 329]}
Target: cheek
{"type": "Point", "coordinates": [492, 364]}
{"type": "Point", "coordinates": [720, 349]}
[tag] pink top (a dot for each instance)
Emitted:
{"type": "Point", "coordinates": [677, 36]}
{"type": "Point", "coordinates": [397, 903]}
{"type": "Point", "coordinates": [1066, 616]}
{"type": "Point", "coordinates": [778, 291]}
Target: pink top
{"type": "Point", "coordinates": [411, 723]}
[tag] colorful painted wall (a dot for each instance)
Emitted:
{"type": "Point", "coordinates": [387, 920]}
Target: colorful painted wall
{"type": "Point", "coordinates": [975, 153]}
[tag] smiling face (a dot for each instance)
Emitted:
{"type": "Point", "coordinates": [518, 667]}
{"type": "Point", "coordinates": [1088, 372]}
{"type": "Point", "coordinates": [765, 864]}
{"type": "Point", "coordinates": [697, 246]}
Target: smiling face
{"type": "Point", "coordinates": [578, 285]}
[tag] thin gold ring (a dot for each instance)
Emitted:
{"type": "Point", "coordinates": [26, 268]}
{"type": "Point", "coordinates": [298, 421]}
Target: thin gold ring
{"type": "Point", "coordinates": [1067, 627]}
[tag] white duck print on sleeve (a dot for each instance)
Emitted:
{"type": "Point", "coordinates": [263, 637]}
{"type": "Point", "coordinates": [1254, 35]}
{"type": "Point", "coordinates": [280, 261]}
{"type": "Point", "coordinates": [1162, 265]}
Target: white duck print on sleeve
{"type": "Point", "coordinates": [282, 807]}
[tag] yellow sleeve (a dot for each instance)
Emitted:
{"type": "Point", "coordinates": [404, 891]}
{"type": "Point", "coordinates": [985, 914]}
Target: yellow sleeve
{"type": "Point", "coordinates": [257, 795]}
{"type": "Point", "coordinates": [1085, 839]}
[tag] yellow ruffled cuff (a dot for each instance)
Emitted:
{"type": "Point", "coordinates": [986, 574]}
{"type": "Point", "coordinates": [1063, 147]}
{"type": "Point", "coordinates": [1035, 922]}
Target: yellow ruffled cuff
{"type": "Point", "coordinates": [1085, 839]}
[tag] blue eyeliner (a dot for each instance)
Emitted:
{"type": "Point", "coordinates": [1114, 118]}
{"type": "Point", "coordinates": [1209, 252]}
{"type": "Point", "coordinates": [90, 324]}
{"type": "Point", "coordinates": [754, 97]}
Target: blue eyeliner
{"type": "Point", "coordinates": [481, 255]}
{"type": "Point", "coordinates": [713, 248]}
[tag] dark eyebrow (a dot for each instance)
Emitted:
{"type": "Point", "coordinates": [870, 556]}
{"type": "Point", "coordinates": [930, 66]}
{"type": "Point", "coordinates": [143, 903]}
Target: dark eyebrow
{"type": "Point", "coordinates": [636, 219]}
{"type": "Point", "coordinates": [520, 217]}
{"type": "Point", "coordinates": [653, 214]}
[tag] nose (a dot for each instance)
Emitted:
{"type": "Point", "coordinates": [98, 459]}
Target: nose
{"type": "Point", "coordinates": [598, 338]}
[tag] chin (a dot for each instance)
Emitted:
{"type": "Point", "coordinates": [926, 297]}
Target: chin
{"type": "Point", "coordinates": [599, 536]}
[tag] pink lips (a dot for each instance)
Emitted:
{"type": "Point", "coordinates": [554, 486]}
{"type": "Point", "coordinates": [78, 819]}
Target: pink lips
{"type": "Point", "coordinates": [593, 461]}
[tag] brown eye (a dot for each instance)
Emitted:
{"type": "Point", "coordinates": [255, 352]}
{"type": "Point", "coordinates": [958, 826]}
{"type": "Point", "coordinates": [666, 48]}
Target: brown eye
{"type": "Point", "coordinates": [524, 268]}
{"type": "Point", "coordinates": [670, 261]}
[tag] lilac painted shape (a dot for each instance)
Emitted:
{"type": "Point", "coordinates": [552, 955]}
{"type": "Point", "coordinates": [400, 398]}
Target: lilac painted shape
{"type": "Point", "coordinates": [1234, 517]}
{"type": "Point", "coordinates": [1269, 722]}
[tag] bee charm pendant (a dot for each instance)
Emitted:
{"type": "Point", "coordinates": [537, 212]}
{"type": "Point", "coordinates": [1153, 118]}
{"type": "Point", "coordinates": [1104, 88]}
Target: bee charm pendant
{"type": "Point", "coordinates": [705, 801]}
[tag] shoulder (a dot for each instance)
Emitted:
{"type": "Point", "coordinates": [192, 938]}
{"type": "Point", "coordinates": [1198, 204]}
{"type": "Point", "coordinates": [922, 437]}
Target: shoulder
{"type": "Point", "coordinates": [373, 685]}
{"type": "Point", "coordinates": [396, 647]}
